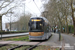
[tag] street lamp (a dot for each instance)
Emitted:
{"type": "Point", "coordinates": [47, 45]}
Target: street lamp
{"type": "Point", "coordinates": [24, 9]}
{"type": "Point", "coordinates": [10, 20]}
{"type": "Point", "coordinates": [24, 12]}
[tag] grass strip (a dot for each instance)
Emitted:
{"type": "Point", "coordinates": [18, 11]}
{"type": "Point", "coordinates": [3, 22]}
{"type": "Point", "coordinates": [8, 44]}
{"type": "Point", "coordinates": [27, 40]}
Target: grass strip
{"type": "Point", "coordinates": [21, 38]}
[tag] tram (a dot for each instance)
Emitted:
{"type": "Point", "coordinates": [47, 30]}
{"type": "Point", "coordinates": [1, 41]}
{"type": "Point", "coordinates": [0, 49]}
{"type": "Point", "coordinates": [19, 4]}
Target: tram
{"type": "Point", "coordinates": [39, 28]}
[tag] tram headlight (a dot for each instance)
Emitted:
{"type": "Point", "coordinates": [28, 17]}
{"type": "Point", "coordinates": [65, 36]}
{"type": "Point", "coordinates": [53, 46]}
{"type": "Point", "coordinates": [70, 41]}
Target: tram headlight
{"type": "Point", "coordinates": [40, 24]}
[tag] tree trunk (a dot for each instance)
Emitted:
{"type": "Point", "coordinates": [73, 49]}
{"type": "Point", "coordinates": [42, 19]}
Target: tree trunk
{"type": "Point", "coordinates": [74, 26]}
{"type": "Point", "coordinates": [73, 15]}
{"type": "Point", "coordinates": [1, 21]}
{"type": "Point", "coordinates": [61, 27]}
{"type": "Point", "coordinates": [67, 29]}
{"type": "Point", "coordinates": [60, 24]}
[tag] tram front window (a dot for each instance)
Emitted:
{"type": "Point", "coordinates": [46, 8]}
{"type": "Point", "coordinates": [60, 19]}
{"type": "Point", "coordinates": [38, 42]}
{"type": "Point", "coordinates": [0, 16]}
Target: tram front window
{"type": "Point", "coordinates": [36, 26]}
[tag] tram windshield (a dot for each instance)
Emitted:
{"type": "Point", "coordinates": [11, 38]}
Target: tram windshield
{"type": "Point", "coordinates": [36, 25]}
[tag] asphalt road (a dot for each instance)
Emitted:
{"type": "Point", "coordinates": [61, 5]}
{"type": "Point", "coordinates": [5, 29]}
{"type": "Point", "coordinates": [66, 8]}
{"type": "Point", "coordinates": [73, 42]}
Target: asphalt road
{"type": "Point", "coordinates": [16, 34]}
{"type": "Point", "coordinates": [68, 41]}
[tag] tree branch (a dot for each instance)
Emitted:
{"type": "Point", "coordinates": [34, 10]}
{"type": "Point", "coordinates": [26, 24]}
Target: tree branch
{"type": "Point", "coordinates": [8, 10]}
{"type": "Point", "coordinates": [2, 4]}
{"type": "Point", "coordinates": [8, 4]}
{"type": "Point", "coordinates": [5, 5]}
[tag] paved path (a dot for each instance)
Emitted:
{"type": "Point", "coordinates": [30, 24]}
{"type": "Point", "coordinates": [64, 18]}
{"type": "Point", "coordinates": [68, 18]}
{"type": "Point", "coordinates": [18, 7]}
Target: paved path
{"type": "Point", "coordinates": [18, 42]}
{"type": "Point", "coordinates": [68, 41]}
{"type": "Point", "coordinates": [16, 34]}
{"type": "Point", "coordinates": [53, 41]}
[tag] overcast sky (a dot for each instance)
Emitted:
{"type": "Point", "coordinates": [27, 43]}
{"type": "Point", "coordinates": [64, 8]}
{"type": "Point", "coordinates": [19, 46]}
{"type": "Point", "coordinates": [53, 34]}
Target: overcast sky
{"type": "Point", "coordinates": [29, 7]}
{"type": "Point", "coordinates": [33, 7]}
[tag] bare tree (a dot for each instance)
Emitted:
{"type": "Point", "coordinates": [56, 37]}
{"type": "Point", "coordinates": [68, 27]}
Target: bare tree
{"type": "Point", "coordinates": [58, 12]}
{"type": "Point", "coordinates": [7, 5]}
{"type": "Point", "coordinates": [3, 5]}
{"type": "Point", "coordinates": [23, 22]}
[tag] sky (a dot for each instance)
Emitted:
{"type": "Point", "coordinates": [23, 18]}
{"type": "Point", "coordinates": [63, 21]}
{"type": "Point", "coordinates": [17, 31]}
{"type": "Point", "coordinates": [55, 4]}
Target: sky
{"type": "Point", "coordinates": [30, 6]}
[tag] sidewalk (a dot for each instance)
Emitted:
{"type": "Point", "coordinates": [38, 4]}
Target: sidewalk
{"type": "Point", "coordinates": [53, 41]}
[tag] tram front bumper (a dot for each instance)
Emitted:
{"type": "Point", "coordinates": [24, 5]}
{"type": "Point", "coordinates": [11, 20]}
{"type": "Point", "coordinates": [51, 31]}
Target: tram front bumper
{"type": "Point", "coordinates": [36, 38]}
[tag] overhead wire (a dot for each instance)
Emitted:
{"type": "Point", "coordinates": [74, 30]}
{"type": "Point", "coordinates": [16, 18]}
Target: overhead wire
{"type": "Point", "coordinates": [37, 6]}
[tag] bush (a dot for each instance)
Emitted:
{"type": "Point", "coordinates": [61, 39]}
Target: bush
{"type": "Point", "coordinates": [10, 32]}
{"type": "Point", "coordinates": [71, 29]}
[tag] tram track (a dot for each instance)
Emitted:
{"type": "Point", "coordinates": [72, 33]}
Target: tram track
{"type": "Point", "coordinates": [22, 45]}
{"type": "Point", "coordinates": [15, 47]}
{"type": "Point", "coordinates": [3, 45]}
{"type": "Point", "coordinates": [31, 47]}
{"type": "Point", "coordinates": [25, 47]}
{"type": "Point", "coordinates": [34, 46]}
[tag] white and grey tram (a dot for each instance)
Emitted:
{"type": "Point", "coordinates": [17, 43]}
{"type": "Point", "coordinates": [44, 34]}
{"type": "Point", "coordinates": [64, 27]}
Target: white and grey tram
{"type": "Point", "coordinates": [39, 28]}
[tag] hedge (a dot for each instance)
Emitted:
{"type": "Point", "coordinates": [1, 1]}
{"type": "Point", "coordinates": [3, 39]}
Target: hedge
{"type": "Point", "coordinates": [10, 32]}
{"type": "Point", "coordinates": [71, 29]}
